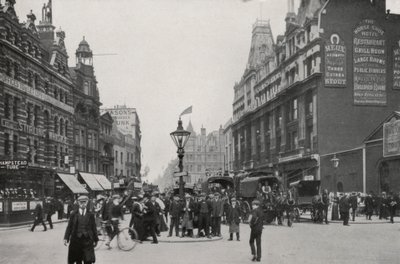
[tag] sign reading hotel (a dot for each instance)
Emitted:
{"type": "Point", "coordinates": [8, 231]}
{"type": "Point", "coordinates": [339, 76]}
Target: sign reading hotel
{"type": "Point", "coordinates": [335, 62]}
{"type": "Point", "coordinates": [124, 117]}
{"type": "Point", "coordinates": [13, 164]}
{"type": "Point", "coordinates": [369, 64]}
{"type": "Point", "coordinates": [391, 138]}
{"type": "Point", "coordinates": [396, 66]}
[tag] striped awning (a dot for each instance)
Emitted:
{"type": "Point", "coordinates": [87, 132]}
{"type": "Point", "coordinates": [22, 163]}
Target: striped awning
{"type": "Point", "coordinates": [104, 182]}
{"type": "Point", "coordinates": [72, 183]}
{"type": "Point", "coordinates": [91, 181]}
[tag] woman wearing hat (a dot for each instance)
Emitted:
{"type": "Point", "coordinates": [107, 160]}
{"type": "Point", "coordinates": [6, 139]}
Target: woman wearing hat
{"type": "Point", "coordinates": [187, 216]}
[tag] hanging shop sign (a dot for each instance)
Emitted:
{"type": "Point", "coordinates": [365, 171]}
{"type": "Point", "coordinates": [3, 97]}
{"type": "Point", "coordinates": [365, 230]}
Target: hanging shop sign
{"type": "Point", "coordinates": [391, 138]}
{"type": "Point", "coordinates": [13, 164]}
{"type": "Point", "coordinates": [335, 62]}
{"type": "Point", "coordinates": [369, 64]}
{"type": "Point", "coordinates": [396, 66]}
{"type": "Point", "coordinates": [19, 206]}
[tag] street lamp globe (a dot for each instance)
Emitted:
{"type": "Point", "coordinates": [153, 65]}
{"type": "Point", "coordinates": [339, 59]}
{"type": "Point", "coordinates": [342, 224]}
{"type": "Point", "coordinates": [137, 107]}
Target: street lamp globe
{"type": "Point", "coordinates": [180, 136]}
{"type": "Point", "coordinates": [335, 161]}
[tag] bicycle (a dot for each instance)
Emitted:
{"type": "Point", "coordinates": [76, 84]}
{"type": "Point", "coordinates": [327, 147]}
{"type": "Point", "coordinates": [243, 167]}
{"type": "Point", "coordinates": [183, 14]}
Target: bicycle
{"type": "Point", "coordinates": [127, 237]}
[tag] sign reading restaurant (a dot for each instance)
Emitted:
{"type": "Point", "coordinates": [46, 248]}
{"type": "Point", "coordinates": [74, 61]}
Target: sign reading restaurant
{"type": "Point", "coordinates": [369, 64]}
{"type": "Point", "coordinates": [391, 138]}
{"type": "Point", "coordinates": [13, 164]}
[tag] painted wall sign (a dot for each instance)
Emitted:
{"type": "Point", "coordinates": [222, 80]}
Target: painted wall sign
{"type": "Point", "coordinates": [396, 66]}
{"type": "Point", "coordinates": [13, 164]}
{"type": "Point", "coordinates": [124, 117]}
{"type": "Point", "coordinates": [369, 64]}
{"type": "Point", "coordinates": [35, 93]}
{"type": "Point", "coordinates": [19, 206]}
{"type": "Point", "coordinates": [391, 138]}
{"type": "Point", "coordinates": [335, 62]}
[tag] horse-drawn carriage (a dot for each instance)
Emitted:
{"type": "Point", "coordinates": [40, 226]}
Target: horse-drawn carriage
{"type": "Point", "coordinates": [275, 202]}
{"type": "Point", "coordinates": [306, 195]}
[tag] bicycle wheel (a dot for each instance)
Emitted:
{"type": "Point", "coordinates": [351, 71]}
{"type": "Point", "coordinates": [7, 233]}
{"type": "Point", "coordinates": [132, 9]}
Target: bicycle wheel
{"type": "Point", "coordinates": [127, 239]}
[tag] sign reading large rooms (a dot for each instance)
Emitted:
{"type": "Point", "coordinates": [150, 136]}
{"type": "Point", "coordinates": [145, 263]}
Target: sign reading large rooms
{"type": "Point", "coordinates": [369, 64]}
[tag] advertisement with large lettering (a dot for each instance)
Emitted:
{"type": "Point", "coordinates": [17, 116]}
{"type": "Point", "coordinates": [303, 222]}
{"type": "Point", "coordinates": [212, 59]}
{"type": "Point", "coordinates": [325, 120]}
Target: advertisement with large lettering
{"type": "Point", "coordinates": [391, 138]}
{"type": "Point", "coordinates": [335, 62]}
{"type": "Point", "coordinates": [369, 64]}
{"type": "Point", "coordinates": [124, 118]}
{"type": "Point", "coordinates": [396, 66]}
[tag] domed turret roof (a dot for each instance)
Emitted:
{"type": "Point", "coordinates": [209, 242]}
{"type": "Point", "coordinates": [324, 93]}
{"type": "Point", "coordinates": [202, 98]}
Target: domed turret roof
{"type": "Point", "coordinates": [84, 47]}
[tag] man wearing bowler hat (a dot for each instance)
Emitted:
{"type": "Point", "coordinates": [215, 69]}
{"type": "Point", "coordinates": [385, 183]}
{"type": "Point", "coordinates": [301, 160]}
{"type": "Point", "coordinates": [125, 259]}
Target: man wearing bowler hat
{"type": "Point", "coordinates": [81, 234]}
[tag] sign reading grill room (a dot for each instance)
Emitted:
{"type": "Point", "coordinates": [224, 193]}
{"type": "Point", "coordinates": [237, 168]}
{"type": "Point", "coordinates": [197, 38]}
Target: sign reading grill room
{"type": "Point", "coordinates": [369, 64]}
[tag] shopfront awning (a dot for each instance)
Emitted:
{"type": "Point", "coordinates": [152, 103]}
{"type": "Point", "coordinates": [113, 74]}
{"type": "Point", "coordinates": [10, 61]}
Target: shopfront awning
{"type": "Point", "coordinates": [72, 183]}
{"type": "Point", "coordinates": [104, 182]}
{"type": "Point", "coordinates": [91, 181]}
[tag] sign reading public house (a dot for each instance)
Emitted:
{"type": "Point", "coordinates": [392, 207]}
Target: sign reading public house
{"type": "Point", "coordinates": [396, 66]}
{"type": "Point", "coordinates": [369, 64]}
{"type": "Point", "coordinates": [335, 62]}
{"type": "Point", "coordinates": [391, 138]}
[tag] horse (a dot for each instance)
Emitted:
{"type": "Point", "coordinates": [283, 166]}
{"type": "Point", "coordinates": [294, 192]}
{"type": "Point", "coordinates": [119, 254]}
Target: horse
{"type": "Point", "coordinates": [317, 214]}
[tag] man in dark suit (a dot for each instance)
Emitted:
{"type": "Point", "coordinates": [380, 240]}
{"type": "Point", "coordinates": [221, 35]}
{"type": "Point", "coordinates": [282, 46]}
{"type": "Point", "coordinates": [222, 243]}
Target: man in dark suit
{"type": "Point", "coordinates": [344, 206]}
{"type": "Point", "coordinates": [325, 201]}
{"type": "Point", "coordinates": [38, 217]}
{"type": "Point", "coordinates": [149, 219]}
{"type": "Point", "coordinates": [204, 210]}
{"type": "Point", "coordinates": [256, 222]}
{"type": "Point", "coordinates": [216, 214]}
{"type": "Point", "coordinates": [353, 205]}
{"type": "Point", "coordinates": [175, 213]}
{"type": "Point", "coordinates": [81, 234]}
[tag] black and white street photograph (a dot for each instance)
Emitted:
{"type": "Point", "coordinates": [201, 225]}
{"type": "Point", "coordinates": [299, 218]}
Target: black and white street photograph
{"type": "Point", "coordinates": [199, 131]}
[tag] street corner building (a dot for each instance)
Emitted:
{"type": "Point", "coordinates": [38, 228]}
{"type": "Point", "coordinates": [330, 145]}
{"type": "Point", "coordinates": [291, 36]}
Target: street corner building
{"type": "Point", "coordinates": [317, 93]}
{"type": "Point", "coordinates": [53, 140]}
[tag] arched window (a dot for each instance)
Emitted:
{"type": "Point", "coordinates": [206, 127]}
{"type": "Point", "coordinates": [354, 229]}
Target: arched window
{"type": "Point", "coordinates": [61, 126]}
{"type": "Point", "coordinates": [56, 125]}
{"type": "Point", "coordinates": [66, 128]}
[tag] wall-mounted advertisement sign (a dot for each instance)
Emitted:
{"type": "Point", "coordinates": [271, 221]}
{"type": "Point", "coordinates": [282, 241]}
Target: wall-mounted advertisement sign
{"type": "Point", "coordinates": [369, 64]}
{"type": "Point", "coordinates": [391, 138]}
{"type": "Point", "coordinates": [19, 206]}
{"type": "Point", "coordinates": [335, 62]}
{"type": "Point", "coordinates": [13, 164]}
{"type": "Point", "coordinates": [396, 66]}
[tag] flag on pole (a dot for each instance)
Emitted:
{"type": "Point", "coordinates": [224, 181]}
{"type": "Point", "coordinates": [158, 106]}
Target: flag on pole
{"type": "Point", "coordinates": [187, 111]}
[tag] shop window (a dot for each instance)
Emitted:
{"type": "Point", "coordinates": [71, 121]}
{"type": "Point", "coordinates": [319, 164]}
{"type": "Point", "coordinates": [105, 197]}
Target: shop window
{"type": "Point", "coordinates": [7, 146]}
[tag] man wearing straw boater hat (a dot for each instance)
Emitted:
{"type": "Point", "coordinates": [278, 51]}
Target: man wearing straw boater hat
{"type": "Point", "coordinates": [81, 234]}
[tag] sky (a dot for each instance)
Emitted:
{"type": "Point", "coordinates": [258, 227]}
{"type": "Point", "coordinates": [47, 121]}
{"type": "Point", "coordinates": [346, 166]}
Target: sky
{"type": "Point", "coordinates": [170, 54]}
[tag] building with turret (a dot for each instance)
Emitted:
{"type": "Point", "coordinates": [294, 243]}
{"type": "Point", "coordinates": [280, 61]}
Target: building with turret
{"type": "Point", "coordinates": [204, 154]}
{"type": "Point", "coordinates": [331, 79]}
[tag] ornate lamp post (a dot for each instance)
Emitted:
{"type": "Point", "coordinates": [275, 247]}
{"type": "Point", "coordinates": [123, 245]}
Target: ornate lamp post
{"type": "Point", "coordinates": [180, 138]}
{"type": "Point", "coordinates": [335, 211]}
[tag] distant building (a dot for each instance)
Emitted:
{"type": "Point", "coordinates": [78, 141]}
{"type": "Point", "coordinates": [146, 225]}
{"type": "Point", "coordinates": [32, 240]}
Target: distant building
{"type": "Point", "coordinates": [126, 120]}
{"type": "Point", "coordinates": [228, 160]}
{"type": "Point", "coordinates": [106, 145]}
{"type": "Point", "coordinates": [204, 154]}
